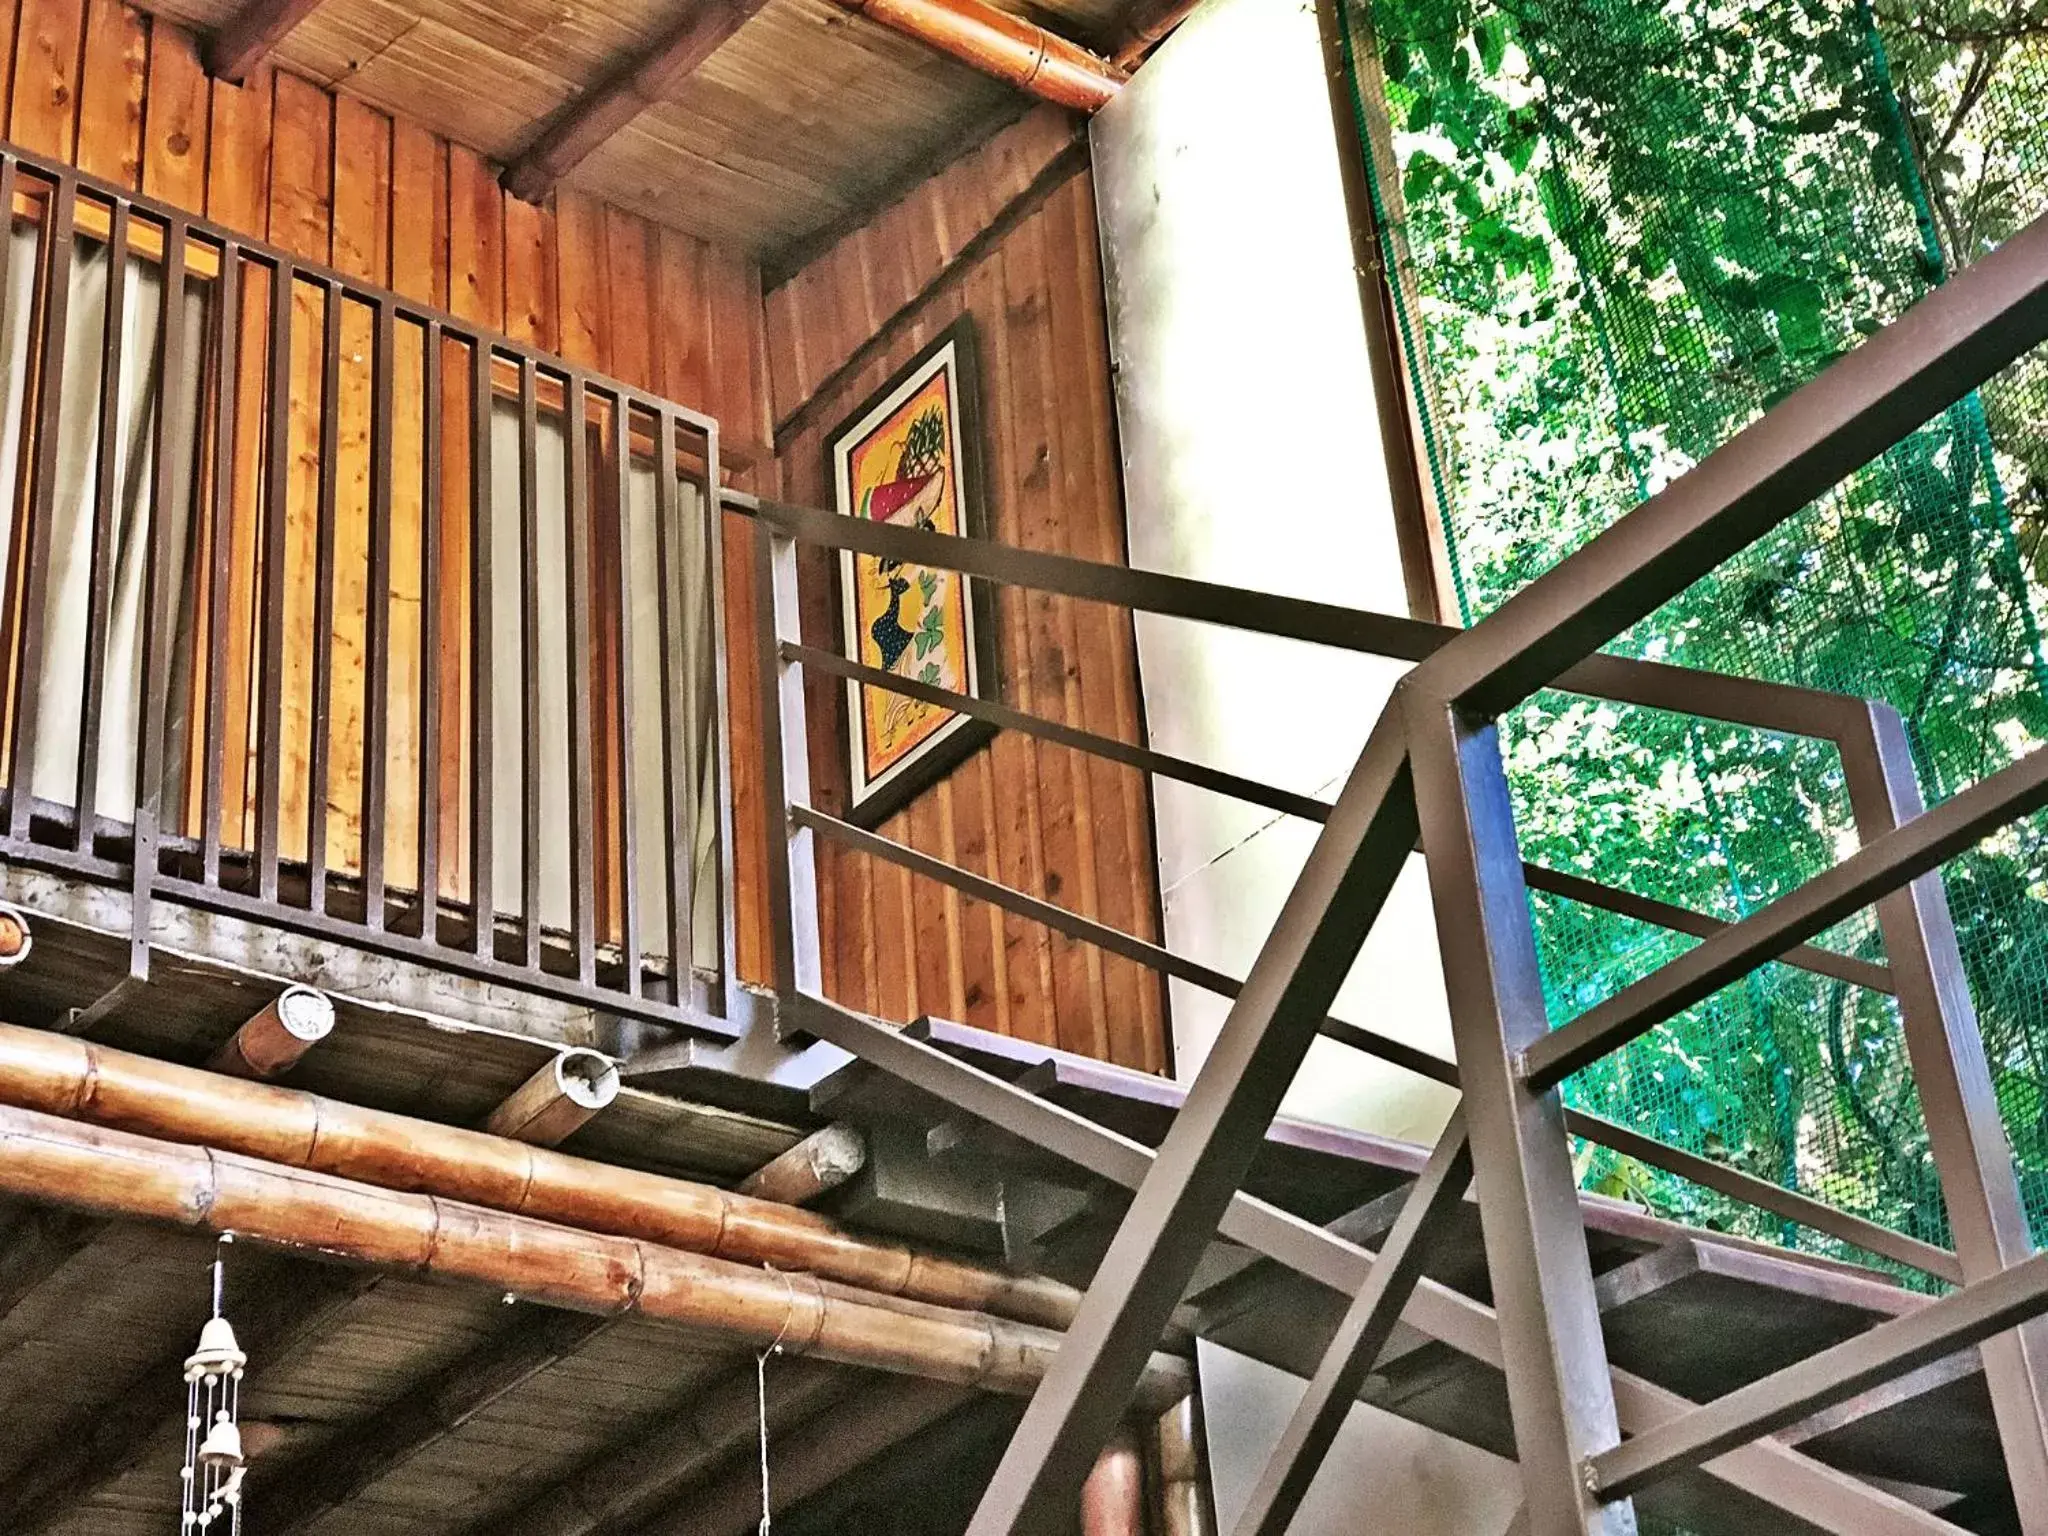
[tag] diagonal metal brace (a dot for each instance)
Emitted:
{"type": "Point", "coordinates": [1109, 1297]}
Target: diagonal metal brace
{"type": "Point", "coordinates": [1363, 1332]}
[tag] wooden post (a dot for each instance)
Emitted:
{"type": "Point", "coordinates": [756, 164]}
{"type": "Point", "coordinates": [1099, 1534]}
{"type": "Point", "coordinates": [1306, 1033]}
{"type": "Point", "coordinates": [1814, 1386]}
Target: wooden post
{"type": "Point", "coordinates": [820, 1162]}
{"type": "Point", "coordinates": [558, 1099]}
{"type": "Point", "coordinates": [272, 1042]}
{"type": "Point", "coordinates": [15, 938]}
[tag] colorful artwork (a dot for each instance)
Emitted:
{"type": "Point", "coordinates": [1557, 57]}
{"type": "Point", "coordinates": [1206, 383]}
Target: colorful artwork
{"type": "Point", "coordinates": [904, 458]}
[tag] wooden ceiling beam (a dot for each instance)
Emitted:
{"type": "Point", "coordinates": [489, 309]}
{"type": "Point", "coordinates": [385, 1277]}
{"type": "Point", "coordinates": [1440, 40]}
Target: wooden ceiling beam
{"type": "Point", "coordinates": [586, 123]}
{"type": "Point", "coordinates": [703, 1431]}
{"type": "Point", "coordinates": [290, 1309]}
{"type": "Point", "coordinates": [978, 34]}
{"type": "Point", "coordinates": [811, 1460]}
{"type": "Point", "coordinates": [1146, 25]}
{"type": "Point", "coordinates": [34, 1245]}
{"type": "Point", "coordinates": [292, 1496]}
{"type": "Point", "coordinates": [246, 38]}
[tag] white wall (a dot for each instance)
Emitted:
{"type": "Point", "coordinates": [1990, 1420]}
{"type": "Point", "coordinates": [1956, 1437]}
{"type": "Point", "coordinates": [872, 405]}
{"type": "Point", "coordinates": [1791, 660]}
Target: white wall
{"type": "Point", "coordinates": [1383, 1477]}
{"type": "Point", "coordinates": [1251, 456]}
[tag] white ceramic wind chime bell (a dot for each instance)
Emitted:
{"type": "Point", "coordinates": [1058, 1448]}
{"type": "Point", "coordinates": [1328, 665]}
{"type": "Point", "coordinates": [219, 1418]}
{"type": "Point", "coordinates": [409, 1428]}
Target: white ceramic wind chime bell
{"type": "Point", "coordinates": [213, 1437]}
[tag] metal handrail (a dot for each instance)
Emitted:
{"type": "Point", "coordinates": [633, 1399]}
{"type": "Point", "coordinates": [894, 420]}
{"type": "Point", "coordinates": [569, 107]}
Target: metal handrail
{"type": "Point", "coordinates": [1432, 769]}
{"type": "Point", "coordinates": [279, 874]}
{"type": "Point", "coordinates": [1739, 700]}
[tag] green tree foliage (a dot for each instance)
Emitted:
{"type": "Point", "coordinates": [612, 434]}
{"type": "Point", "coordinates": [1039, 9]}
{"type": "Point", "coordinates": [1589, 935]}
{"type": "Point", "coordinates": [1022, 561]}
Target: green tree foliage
{"type": "Point", "coordinates": [1623, 229]}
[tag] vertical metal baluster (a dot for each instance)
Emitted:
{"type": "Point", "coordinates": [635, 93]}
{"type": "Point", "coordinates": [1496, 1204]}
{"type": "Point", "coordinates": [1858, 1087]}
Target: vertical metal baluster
{"type": "Point", "coordinates": [677, 712]}
{"type": "Point", "coordinates": [629, 848]}
{"type": "Point", "coordinates": [1559, 1391]}
{"type": "Point", "coordinates": [377, 622]}
{"type": "Point", "coordinates": [57, 254]}
{"type": "Point", "coordinates": [530, 659]}
{"type": "Point", "coordinates": [106, 501]}
{"type": "Point", "coordinates": [482, 875]}
{"type": "Point", "coordinates": [276, 483]}
{"type": "Point", "coordinates": [9, 594]}
{"type": "Point", "coordinates": [227, 336]}
{"type": "Point", "coordinates": [786, 770]}
{"type": "Point", "coordinates": [157, 625]}
{"type": "Point", "coordinates": [721, 676]}
{"type": "Point", "coordinates": [320, 768]}
{"type": "Point", "coordinates": [582, 831]}
{"type": "Point", "coordinates": [430, 636]}
{"type": "Point", "coordinates": [1966, 1135]}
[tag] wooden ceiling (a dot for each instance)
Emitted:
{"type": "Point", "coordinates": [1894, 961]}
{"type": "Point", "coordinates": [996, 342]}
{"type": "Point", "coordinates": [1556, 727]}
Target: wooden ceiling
{"type": "Point", "coordinates": [806, 118]}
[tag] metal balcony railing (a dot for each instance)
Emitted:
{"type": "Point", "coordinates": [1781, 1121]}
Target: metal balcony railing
{"type": "Point", "coordinates": [1432, 772]}
{"type": "Point", "coordinates": [334, 612]}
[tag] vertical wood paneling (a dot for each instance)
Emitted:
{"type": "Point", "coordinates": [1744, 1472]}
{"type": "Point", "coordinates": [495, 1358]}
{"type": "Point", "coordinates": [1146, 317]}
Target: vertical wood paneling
{"type": "Point", "coordinates": [111, 84]}
{"type": "Point", "coordinates": [176, 120]}
{"type": "Point", "coordinates": [302, 222]}
{"type": "Point", "coordinates": [332, 181]}
{"type": "Point", "coordinates": [48, 45]}
{"type": "Point", "coordinates": [1041, 818]}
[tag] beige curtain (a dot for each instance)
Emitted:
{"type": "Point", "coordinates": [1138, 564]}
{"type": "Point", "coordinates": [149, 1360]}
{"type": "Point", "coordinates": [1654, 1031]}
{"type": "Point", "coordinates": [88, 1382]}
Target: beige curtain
{"type": "Point", "coordinates": [691, 665]}
{"type": "Point", "coordinates": [60, 678]}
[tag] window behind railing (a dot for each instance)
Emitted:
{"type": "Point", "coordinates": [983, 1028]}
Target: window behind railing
{"type": "Point", "coordinates": [427, 622]}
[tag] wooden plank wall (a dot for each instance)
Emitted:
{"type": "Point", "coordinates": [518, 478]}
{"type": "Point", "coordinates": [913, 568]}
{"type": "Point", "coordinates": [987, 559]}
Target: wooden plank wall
{"type": "Point", "coordinates": [1069, 828]}
{"type": "Point", "coordinates": [122, 95]}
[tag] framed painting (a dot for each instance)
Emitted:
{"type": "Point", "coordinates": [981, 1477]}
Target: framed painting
{"type": "Point", "coordinates": [910, 456]}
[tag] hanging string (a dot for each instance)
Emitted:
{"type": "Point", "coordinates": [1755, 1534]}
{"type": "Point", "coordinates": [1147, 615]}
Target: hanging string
{"type": "Point", "coordinates": [219, 1267]}
{"type": "Point", "coordinates": [761, 1393]}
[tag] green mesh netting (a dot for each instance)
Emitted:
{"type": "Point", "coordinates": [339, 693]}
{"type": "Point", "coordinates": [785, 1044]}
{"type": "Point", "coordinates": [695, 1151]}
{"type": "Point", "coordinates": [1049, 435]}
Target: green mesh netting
{"type": "Point", "coordinates": [1621, 229]}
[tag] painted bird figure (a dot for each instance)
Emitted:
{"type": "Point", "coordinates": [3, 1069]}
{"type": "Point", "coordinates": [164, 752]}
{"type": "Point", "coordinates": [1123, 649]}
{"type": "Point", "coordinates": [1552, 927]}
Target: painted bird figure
{"type": "Point", "coordinates": [888, 633]}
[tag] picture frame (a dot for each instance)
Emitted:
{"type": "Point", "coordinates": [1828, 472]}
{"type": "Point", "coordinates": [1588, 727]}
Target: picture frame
{"type": "Point", "coordinates": [911, 454]}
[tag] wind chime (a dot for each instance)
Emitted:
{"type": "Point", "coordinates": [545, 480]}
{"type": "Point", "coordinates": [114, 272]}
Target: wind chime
{"type": "Point", "coordinates": [213, 1438]}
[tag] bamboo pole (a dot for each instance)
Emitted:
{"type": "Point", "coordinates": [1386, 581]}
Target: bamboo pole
{"type": "Point", "coordinates": [81, 1080]}
{"type": "Point", "coordinates": [1185, 1507]}
{"type": "Point", "coordinates": [992, 40]}
{"type": "Point", "coordinates": [118, 1173]}
{"type": "Point", "coordinates": [15, 938]}
{"type": "Point", "coordinates": [1113, 1498]}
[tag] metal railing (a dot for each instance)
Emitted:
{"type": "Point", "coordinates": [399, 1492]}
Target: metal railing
{"type": "Point", "coordinates": [426, 643]}
{"type": "Point", "coordinates": [1432, 772]}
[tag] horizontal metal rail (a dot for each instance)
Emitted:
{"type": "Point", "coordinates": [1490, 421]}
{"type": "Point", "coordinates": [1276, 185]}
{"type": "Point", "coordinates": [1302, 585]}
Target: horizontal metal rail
{"type": "Point", "coordinates": [1877, 868]}
{"type": "Point", "coordinates": [1827, 1500]}
{"type": "Point", "coordinates": [1114, 940]}
{"type": "Point", "coordinates": [1793, 1206]}
{"type": "Point", "coordinates": [1824, 962]}
{"type": "Point", "coordinates": [264, 367]}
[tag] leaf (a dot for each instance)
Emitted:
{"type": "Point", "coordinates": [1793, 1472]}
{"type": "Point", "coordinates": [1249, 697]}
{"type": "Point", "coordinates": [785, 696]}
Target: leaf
{"type": "Point", "coordinates": [927, 584]}
{"type": "Point", "coordinates": [1493, 41]}
{"type": "Point", "coordinates": [929, 673]}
